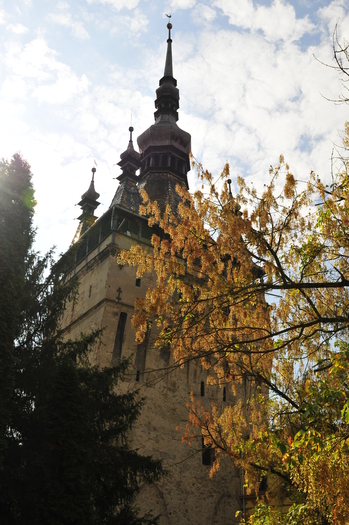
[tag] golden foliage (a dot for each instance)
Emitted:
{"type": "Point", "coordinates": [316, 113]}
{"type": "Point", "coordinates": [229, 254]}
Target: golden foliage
{"type": "Point", "coordinates": [255, 287]}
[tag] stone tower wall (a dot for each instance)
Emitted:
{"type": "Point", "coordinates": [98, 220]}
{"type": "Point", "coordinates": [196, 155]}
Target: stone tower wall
{"type": "Point", "coordinates": [187, 495]}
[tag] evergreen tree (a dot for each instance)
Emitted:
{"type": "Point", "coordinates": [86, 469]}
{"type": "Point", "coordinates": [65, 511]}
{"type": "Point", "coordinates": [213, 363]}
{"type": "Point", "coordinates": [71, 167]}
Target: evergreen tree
{"type": "Point", "coordinates": [16, 237]}
{"type": "Point", "coordinates": [66, 457]}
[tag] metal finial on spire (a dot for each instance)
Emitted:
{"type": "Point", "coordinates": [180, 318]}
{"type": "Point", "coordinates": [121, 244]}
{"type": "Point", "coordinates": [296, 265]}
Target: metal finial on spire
{"type": "Point", "coordinates": [230, 193]}
{"type": "Point", "coordinates": [93, 173]}
{"type": "Point", "coordinates": [169, 26]}
{"type": "Point", "coordinates": [130, 130]}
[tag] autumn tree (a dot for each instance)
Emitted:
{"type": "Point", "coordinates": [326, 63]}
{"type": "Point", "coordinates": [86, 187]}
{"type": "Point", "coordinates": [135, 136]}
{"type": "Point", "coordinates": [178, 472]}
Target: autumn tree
{"type": "Point", "coordinates": [64, 429]}
{"type": "Point", "coordinates": [256, 287]}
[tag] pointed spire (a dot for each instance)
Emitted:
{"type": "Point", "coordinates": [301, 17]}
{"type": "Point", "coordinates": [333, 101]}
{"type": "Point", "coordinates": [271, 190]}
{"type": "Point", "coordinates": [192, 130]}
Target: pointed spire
{"type": "Point", "coordinates": [127, 195]}
{"type": "Point", "coordinates": [167, 94]}
{"type": "Point", "coordinates": [91, 193]}
{"type": "Point", "coordinates": [130, 143]}
{"type": "Point", "coordinates": [164, 146]}
{"type": "Point", "coordinates": [130, 160]}
{"type": "Point", "coordinates": [88, 205]}
{"type": "Point", "coordinates": [168, 71]}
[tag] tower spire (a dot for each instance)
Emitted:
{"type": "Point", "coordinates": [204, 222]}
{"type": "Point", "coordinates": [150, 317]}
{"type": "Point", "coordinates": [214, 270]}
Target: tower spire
{"type": "Point", "coordinates": [164, 147]}
{"type": "Point", "coordinates": [167, 94]}
{"type": "Point", "coordinates": [168, 71]}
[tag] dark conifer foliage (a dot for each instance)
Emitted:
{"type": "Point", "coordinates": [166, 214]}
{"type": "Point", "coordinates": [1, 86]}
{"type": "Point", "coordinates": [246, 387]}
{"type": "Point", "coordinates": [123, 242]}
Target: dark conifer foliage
{"type": "Point", "coordinates": [16, 237]}
{"type": "Point", "coordinates": [66, 456]}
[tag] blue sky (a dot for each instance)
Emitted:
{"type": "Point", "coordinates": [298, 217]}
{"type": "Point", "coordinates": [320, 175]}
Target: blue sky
{"type": "Point", "coordinates": [73, 72]}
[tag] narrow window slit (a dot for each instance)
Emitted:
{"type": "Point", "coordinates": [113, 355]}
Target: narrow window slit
{"type": "Point", "coordinates": [207, 453]}
{"type": "Point", "coordinates": [119, 337]}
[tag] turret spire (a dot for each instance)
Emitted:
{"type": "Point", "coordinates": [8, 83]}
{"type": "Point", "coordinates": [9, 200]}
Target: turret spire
{"type": "Point", "coordinates": [88, 205]}
{"type": "Point", "coordinates": [130, 161]}
{"type": "Point", "coordinates": [126, 194]}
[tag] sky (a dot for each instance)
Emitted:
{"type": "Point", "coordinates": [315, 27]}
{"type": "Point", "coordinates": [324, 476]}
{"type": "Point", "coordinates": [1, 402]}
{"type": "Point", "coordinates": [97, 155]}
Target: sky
{"type": "Point", "coordinates": [74, 74]}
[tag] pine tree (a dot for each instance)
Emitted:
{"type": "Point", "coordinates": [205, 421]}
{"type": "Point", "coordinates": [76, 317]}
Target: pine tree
{"type": "Point", "coordinates": [16, 237]}
{"type": "Point", "coordinates": [66, 455]}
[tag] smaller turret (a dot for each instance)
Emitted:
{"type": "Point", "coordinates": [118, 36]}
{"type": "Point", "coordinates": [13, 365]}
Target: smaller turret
{"type": "Point", "coordinates": [130, 161]}
{"type": "Point", "coordinates": [88, 205]}
{"type": "Point", "coordinates": [127, 195]}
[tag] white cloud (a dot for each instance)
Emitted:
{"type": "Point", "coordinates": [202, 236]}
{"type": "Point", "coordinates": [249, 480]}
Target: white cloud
{"type": "Point", "coordinates": [336, 12]}
{"type": "Point", "coordinates": [2, 17]}
{"type": "Point", "coordinates": [18, 29]}
{"type": "Point", "coordinates": [135, 24]}
{"type": "Point", "coordinates": [65, 19]}
{"type": "Point", "coordinates": [182, 4]}
{"type": "Point", "coordinates": [14, 88]}
{"type": "Point", "coordinates": [117, 4]}
{"type": "Point", "coordinates": [248, 100]}
{"type": "Point", "coordinates": [278, 21]}
{"type": "Point", "coordinates": [203, 13]}
{"type": "Point", "coordinates": [48, 79]}
{"type": "Point", "coordinates": [63, 89]}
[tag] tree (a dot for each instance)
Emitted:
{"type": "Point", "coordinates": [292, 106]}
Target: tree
{"type": "Point", "coordinates": [257, 288]}
{"type": "Point", "coordinates": [66, 457]}
{"type": "Point", "coordinates": [16, 214]}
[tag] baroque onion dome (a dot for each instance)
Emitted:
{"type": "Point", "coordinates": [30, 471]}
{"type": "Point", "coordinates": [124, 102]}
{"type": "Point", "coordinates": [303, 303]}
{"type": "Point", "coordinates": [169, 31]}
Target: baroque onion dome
{"type": "Point", "coordinates": [88, 205]}
{"type": "Point", "coordinates": [164, 146]}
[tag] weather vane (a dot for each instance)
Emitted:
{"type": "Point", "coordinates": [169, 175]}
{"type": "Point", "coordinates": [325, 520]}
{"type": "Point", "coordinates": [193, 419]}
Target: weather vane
{"type": "Point", "coordinates": [169, 26]}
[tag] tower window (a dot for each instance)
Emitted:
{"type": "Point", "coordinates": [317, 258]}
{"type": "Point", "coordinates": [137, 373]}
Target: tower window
{"type": "Point", "coordinates": [263, 484]}
{"type": "Point", "coordinates": [207, 453]}
{"type": "Point", "coordinates": [119, 337]}
{"type": "Point", "coordinates": [141, 355]}
{"type": "Point", "coordinates": [138, 283]}
{"type": "Point", "coordinates": [202, 389]}
{"type": "Point", "coordinates": [224, 393]}
{"type": "Point", "coordinates": [90, 291]}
